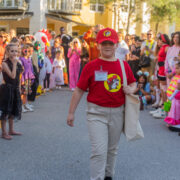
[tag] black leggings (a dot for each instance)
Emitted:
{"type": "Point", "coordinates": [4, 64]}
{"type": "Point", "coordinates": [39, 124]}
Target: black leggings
{"type": "Point", "coordinates": [47, 80]}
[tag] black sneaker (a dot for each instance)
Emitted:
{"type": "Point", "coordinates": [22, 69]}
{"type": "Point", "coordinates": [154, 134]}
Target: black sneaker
{"type": "Point", "coordinates": [174, 128]}
{"type": "Point", "coordinates": [108, 178]}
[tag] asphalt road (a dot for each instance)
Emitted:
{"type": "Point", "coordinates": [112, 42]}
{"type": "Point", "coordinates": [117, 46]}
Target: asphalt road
{"type": "Point", "coordinates": [50, 150]}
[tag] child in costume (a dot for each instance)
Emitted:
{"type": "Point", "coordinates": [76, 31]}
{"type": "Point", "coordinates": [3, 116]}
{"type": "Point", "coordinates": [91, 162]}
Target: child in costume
{"type": "Point", "coordinates": [58, 66]}
{"type": "Point", "coordinates": [74, 54]}
{"type": "Point", "coordinates": [40, 61]}
{"type": "Point", "coordinates": [35, 82]}
{"type": "Point", "coordinates": [143, 89]}
{"type": "Point", "coordinates": [10, 98]}
{"type": "Point", "coordinates": [27, 77]}
{"type": "Point", "coordinates": [173, 93]}
{"type": "Point", "coordinates": [48, 66]}
{"type": "Point", "coordinates": [164, 43]}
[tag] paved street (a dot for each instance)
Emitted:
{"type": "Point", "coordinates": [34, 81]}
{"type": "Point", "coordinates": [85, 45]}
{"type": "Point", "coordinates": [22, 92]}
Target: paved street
{"type": "Point", "coordinates": [50, 150]}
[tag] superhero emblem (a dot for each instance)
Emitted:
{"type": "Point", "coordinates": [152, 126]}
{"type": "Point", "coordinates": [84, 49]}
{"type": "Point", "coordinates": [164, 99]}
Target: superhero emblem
{"type": "Point", "coordinates": [113, 83]}
{"type": "Point", "coordinates": [107, 33]}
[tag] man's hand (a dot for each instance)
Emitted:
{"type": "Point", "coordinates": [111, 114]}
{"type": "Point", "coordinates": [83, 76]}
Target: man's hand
{"type": "Point", "coordinates": [130, 89]}
{"type": "Point", "coordinates": [76, 97]}
{"type": "Point", "coordinates": [127, 90]}
{"type": "Point", "coordinates": [70, 120]}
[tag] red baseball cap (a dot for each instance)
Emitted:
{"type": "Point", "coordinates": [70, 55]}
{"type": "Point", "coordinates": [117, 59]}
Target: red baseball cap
{"type": "Point", "coordinates": [107, 34]}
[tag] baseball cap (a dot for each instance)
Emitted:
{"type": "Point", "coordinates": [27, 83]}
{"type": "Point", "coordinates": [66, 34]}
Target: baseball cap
{"type": "Point", "coordinates": [107, 34]}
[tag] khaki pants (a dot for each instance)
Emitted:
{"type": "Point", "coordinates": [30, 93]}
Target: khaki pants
{"type": "Point", "coordinates": [105, 126]}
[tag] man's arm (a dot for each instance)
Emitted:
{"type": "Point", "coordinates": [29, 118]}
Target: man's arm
{"type": "Point", "coordinates": [76, 97]}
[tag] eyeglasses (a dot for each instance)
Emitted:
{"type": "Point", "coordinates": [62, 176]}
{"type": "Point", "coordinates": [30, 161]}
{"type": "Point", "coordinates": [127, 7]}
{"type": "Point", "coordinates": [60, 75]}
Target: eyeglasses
{"type": "Point", "coordinates": [75, 42]}
{"type": "Point", "coordinates": [149, 34]}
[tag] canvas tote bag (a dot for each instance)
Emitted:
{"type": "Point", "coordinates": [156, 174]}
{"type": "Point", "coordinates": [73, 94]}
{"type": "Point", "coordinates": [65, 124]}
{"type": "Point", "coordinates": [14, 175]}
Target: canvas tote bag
{"type": "Point", "coordinates": [132, 127]}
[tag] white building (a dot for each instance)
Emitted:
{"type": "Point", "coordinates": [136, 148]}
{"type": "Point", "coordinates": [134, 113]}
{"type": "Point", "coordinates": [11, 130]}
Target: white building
{"type": "Point", "coordinates": [29, 16]}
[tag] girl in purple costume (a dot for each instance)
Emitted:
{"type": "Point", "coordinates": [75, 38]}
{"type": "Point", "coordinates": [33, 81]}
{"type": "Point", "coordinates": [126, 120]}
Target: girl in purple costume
{"type": "Point", "coordinates": [27, 76]}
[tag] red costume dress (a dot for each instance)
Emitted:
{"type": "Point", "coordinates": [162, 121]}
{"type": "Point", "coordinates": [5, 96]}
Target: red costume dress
{"type": "Point", "coordinates": [161, 62]}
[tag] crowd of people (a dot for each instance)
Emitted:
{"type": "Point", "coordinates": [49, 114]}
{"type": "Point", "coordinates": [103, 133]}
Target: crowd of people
{"type": "Point", "coordinates": [31, 65]}
{"type": "Point", "coordinates": [33, 69]}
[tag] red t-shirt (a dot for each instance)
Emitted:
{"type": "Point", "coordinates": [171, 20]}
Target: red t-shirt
{"type": "Point", "coordinates": [105, 93]}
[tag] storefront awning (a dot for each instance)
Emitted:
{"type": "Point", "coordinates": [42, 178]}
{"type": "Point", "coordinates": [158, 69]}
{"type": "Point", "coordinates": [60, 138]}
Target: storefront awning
{"type": "Point", "coordinates": [64, 19]}
{"type": "Point", "coordinates": [15, 16]}
{"type": "Point", "coordinates": [61, 12]}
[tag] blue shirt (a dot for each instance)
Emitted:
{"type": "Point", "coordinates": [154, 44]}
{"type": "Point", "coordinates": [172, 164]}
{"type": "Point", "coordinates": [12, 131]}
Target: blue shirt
{"type": "Point", "coordinates": [146, 88]}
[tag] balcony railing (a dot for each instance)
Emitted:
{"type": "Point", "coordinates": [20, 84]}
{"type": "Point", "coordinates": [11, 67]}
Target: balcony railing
{"type": "Point", "coordinates": [61, 5]}
{"type": "Point", "coordinates": [13, 4]}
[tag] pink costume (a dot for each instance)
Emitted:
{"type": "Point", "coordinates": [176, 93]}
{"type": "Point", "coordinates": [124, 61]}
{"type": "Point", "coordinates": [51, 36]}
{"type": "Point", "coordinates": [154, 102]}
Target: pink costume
{"type": "Point", "coordinates": [169, 61]}
{"type": "Point", "coordinates": [173, 117]}
{"type": "Point", "coordinates": [74, 67]}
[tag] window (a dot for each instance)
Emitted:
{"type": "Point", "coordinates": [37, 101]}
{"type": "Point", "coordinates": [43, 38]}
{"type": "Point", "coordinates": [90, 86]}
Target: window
{"type": "Point", "coordinates": [16, 2]}
{"type": "Point", "coordinates": [22, 31]}
{"type": "Point", "coordinates": [9, 3]}
{"type": "Point", "coordinates": [97, 5]}
{"type": "Point", "coordinates": [75, 34]}
{"type": "Point", "coordinates": [4, 29]}
{"type": "Point", "coordinates": [78, 5]}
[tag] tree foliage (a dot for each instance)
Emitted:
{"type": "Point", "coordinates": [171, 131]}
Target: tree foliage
{"type": "Point", "coordinates": [160, 10]}
{"type": "Point", "coordinates": [163, 10]}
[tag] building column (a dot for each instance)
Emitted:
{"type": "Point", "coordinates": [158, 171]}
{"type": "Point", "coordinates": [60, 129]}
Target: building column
{"type": "Point", "coordinates": [146, 18]}
{"type": "Point", "coordinates": [38, 20]}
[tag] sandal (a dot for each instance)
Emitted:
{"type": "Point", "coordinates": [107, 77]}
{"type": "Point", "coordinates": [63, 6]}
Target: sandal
{"type": "Point", "coordinates": [6, 136]}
